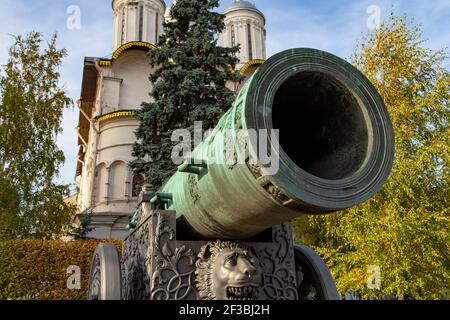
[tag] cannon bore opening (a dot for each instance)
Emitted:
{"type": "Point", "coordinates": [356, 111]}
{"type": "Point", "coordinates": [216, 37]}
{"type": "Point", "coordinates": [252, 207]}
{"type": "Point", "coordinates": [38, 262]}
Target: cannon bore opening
{"type": "Point", "coordinates": [322, 126]}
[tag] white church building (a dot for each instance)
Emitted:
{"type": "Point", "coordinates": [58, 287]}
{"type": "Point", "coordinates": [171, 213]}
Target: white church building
{"type": "Point", "coordinates": [113, 88]}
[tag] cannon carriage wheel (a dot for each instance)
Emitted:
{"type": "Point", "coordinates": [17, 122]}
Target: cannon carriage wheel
{"type": "Point", "coordinates": [105, 276]}
{"type": "Point", "coordinates": [314, 277]}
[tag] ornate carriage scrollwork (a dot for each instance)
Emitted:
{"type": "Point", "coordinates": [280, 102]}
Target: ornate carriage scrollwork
{"type": "Point", "coordinates": [173, 271]}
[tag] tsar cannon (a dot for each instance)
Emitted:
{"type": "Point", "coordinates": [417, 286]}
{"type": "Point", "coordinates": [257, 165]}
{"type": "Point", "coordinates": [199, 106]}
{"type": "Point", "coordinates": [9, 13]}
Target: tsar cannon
{"type": "Point", "coordinates": [308, 134]}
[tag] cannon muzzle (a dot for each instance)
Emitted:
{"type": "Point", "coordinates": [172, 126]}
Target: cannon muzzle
{"type": "Point", "coordinates": [333, 150]}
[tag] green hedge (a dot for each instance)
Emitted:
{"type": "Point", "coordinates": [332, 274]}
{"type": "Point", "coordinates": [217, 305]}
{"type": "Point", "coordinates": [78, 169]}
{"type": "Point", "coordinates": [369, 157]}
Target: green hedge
{"type": "Point", "coordinates": [36, 269]}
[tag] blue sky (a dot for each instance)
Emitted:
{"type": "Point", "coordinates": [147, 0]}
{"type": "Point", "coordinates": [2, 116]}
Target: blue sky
{"type": "Point", "coordinates": [334, 26]}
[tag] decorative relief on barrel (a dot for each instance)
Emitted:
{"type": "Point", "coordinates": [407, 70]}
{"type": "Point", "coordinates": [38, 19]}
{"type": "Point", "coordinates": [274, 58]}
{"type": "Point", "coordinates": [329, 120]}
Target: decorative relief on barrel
{"type": "Point", "coordinates": [254, 167]}
{"type": "Point", "coordinates": [227, 271]}
{"type": "Point", "coordinates": [238, 113]}
{"type": "Point", "coordinates": [272, 189]}
{"type": "Point", "coordinates": [276, 192]}
{"type": "Point", "coordinates": [229, 151]}
{"type": "Point", "coordinates": [193, 187]}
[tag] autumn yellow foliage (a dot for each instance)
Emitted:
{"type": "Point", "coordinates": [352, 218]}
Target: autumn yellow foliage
{"type": "Point", "coordinates": [37, 269]}
{"type": "Point", "coordinates": [404, 230]}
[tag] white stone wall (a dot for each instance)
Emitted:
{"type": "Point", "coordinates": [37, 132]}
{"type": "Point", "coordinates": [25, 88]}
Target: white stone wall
{"type": "Point", "coordinates": [240, 21]}
{"type": "Point", "coordinates": [134, 69]}
{"type": "Point", "coordinates": [106, 182]}
{"type": "Point", "coordinates": [128, 17]}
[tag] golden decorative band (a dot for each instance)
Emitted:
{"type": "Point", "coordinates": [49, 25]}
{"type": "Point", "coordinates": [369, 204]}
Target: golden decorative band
{"type": "Point", "coordinates": [133, 44]}
{"type": "Point", "coordinates": [250, 63]}
{"type": "Point", "coordinates": [105, 63]}
{"type": "Point", "coordinates": [114, 115]}
{"type": "Point", "coordinates": [122, 48]}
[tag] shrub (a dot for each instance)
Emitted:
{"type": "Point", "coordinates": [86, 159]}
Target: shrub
{"type": "Point", "coordinates": [37, 269]}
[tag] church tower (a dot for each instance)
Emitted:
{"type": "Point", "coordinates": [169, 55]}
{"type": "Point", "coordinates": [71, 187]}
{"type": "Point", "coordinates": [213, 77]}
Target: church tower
{"type": "Point", "coordinates": [112, 90]}
{"type": "Point", "coordinates": [137, 20]}
{"type": "Point", "coordinates": [245, 25]}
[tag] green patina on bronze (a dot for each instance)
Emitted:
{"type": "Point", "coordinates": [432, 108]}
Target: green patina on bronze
{"type": "Point", "coordinates": [336, 149]}
{"type": "Point", "coordinates": [134, 220]}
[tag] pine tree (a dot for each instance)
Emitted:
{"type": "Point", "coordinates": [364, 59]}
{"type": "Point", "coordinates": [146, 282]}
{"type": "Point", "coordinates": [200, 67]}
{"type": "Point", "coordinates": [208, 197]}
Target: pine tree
{"type": "Point", "coordinates": [403, 230]}
{"type": "Point", "coordinates": [188, 86]}
{"type": "Point", "coordinates": [31, 107]}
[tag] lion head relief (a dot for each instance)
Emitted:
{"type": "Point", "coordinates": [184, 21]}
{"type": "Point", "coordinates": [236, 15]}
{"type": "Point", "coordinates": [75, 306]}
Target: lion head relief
{"type": "Point", "coordinates": [227, 271]}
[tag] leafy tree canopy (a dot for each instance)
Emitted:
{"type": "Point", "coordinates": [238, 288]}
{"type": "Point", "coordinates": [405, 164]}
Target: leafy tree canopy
{"type": "Point", "coordinates": [31, 106]}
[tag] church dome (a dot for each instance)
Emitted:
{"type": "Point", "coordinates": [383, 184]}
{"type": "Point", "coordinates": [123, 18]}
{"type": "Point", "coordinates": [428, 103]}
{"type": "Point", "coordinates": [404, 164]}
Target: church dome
{"type": "Point", "coordinates": [161, 1]}
{"type": "Point", "coordinates": [242, 5]}
{"type": "Point", "coordinates": [167, 13]}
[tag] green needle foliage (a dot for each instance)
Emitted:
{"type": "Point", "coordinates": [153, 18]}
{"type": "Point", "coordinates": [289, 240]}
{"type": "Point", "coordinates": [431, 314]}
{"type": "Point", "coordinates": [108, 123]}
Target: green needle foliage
{"type": "Point", "coordinates": [188, 86]}
{"type": "Point", "coordinates": [31, 106]}
{"type": "Point", "coordinates": [404, 229]}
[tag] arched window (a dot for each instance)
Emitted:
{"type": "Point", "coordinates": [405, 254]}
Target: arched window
{"type": "Point", "coordinates": [119, 173]}
{"type": "Point", "coordinates": [137, 184]}
{"type": "Point", "coordinates": [101, 184]}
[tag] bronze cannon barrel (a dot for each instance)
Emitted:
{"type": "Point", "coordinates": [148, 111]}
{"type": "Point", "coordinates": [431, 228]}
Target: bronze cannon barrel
{"type": "Point", "coordinates": [334, 147]}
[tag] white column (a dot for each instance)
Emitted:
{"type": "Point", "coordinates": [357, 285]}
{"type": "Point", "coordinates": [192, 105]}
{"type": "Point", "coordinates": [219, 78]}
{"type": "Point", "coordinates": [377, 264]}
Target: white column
{"type": "Point", "coordinates": [256, 54]}
{"type": "Point", "coordinates": [248, 30]}
{"type": "Point", "coordinates": [161, 25]}
{"type": "Point", "coordinates": [120, 29]}
{"type": "Point", "coordinates": [124, 24]}
{"type": "Point", "coordinates": [151, 26]}
{"type": "Point", "coordinates": [131, 23]}
{"type": "Point", "coordinates": [145, 27]}
{"type": "Point", "coordinates": [156, 26]}
{"type": "Point", "coordinates": [116, 30]}
{"type": "Point", "coordinates": [242, 33]}
{"type": "Point", "coordinates": [263, 42]}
